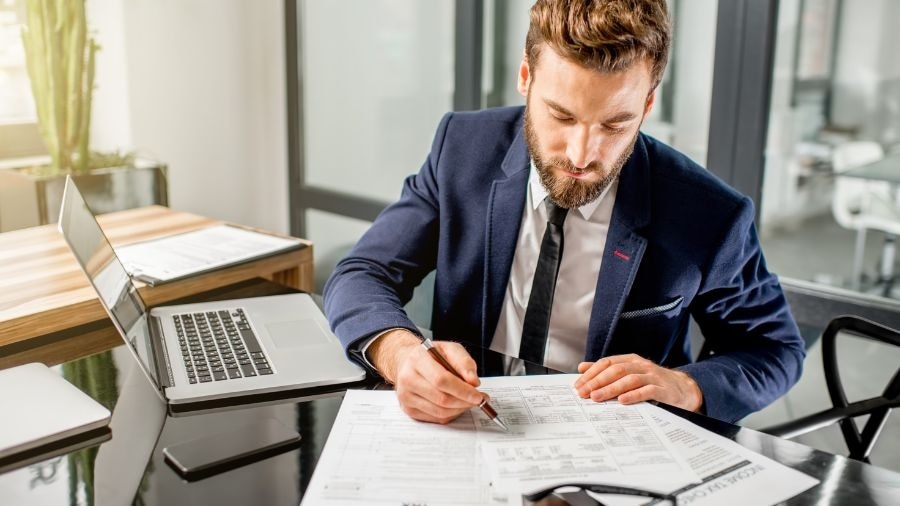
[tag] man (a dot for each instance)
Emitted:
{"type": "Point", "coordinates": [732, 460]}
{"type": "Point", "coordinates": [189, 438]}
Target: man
{"type": "Point", "coordinates": [639, 239]}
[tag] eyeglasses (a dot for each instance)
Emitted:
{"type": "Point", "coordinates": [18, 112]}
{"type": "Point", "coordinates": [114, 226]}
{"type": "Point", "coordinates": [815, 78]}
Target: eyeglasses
{"type": "Point", "coordinates": [559, 495]}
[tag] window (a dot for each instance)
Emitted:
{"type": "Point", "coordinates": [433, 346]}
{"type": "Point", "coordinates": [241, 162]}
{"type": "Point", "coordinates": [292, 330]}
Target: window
{"type": "Point", "coordinates": [18, 129]}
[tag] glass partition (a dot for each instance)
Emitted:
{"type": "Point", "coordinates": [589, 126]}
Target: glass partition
{"type": "Point", "coordinates": [827, 215]}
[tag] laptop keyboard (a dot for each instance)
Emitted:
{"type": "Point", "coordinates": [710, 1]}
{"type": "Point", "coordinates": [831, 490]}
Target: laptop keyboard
{"type": "Point", "coordinates": [219, 345]}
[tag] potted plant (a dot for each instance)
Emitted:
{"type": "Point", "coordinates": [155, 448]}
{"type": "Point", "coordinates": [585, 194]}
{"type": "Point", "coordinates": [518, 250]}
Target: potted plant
{"type": "Point", "coordinates": [61, 57]}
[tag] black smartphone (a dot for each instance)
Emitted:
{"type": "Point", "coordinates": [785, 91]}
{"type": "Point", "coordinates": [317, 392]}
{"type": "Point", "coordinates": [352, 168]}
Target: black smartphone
{"type": "Point", "coordinates": [216, 453]}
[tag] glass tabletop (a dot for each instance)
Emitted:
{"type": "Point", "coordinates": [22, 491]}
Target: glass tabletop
{"type": "Point", "coordinates": [887, 169]}
{"type": "Point", "coordinates": [125, 464]}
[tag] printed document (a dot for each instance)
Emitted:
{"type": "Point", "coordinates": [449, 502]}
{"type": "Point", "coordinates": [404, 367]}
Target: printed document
{"type": "Point", "coordinates": [178, 256]}
{"type": "Point", "coordinates": [558, 437]}
{"type": "Point", "coordinates": [731, 474]}
{"type": "Point", "coordinates": [377, 455]}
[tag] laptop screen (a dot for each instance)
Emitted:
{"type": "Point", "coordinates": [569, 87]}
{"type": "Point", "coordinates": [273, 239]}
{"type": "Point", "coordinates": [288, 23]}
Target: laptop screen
{"type": "Point", "coordinates": [113, 285]}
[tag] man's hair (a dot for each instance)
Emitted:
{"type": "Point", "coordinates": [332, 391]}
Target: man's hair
{"type": "Point", "coordinates": [606, 35]}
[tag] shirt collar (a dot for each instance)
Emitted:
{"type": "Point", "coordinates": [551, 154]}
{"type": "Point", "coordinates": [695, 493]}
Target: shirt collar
{"type": "Point", "coordinates": [539, 193]}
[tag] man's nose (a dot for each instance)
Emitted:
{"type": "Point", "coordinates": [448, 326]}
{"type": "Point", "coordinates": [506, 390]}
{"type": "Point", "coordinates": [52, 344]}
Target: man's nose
{"type": "Point", "coordinates": [582, 147]}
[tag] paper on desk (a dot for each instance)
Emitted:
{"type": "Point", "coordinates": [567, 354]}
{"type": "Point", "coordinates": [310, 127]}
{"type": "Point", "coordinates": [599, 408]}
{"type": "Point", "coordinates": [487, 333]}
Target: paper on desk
{"type": "Point", "coordinates": [182, 255]}
{"type": "Point", "coordinates": [376, 454]}
{"type": "Point", "coordinates": [731, 473]}
{"type": "Point", "coordinates": [557, 437]}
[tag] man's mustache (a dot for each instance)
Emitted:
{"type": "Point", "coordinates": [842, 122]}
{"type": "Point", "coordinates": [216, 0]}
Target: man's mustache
{"type": "Point", "coordinates": [561, 163]}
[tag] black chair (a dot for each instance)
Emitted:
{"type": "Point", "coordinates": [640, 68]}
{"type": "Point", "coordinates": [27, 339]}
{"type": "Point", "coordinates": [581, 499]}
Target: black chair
{"type": "Point", "coordinates": [844, 413]}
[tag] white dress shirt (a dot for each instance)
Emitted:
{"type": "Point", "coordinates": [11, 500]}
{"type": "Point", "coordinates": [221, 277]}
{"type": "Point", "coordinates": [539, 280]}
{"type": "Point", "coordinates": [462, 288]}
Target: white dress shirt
{"type": "Point", "coordinates": [584, 240]}
{"type": "Point", "coordinates": [584, 235]}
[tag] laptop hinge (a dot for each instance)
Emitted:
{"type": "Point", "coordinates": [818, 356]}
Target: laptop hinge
{"type": "Point", "coordinates": [160, 356]}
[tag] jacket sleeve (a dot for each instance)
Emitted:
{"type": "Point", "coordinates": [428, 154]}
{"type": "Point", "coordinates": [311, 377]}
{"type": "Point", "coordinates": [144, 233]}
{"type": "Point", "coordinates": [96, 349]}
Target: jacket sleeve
{"type": "Point", "coordinates": [757, 351]}
{"type": "Point", "coordinates": [369, 287]}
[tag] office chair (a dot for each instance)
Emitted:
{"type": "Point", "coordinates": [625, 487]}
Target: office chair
{"type": "Point", "coordinates": [859, 444]}
{"type": "Point", "coordinates": [862, 205]}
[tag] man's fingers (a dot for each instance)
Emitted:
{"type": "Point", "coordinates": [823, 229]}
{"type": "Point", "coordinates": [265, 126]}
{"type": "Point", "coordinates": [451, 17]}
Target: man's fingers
{"type": "Point", "coordinates": [441, 383]}
{"type": "Point", "coordinates": [420, 409]}
{"type": "Point", "coordinates": [620, 386]}
{"type": "Point", "coordinates": [429, 392]}
{"type": "Point", "coordinates": [632, 378]}
{"type": "Point", "coordinates": [461, 361]}
{"type": "Point", "coordinates": [458, 399]}
{"type": "Point", "coordinates": [414, 391]}
{"type": "Point", "coordinates": [591, 371]}
{"type": "Point", "coordinates": [607, 370]}
{"type": "Point", "coordinates": [645, 393]}
{"type": "Point", "coordinates": [609, 375]}
{"type": "Point", "coordinates": [595, 368]}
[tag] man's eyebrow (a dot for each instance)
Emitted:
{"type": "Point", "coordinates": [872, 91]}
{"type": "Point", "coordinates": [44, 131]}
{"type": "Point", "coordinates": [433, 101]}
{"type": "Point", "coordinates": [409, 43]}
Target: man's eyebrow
{"type": "Point", "coordinates": [558, 107]}
{"type": "Point", "coordinates": [621, 117]}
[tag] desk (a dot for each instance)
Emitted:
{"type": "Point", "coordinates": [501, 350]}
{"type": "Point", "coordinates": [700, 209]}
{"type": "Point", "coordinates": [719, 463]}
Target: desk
{"type": "Point", "coordinates": [887, 169]}
{"type": "Point", "coordinates": [131, 466]}
{"type": "Point", "coordinates": [49, 312]}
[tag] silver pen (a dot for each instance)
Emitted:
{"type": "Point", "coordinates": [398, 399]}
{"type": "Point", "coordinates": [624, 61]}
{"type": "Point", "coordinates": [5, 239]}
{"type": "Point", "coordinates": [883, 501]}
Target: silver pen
{"type": "Point", "coordinates": [485, 406]}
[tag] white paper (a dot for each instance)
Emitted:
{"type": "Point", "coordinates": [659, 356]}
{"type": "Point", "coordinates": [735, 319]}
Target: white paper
{"type": "Point", "coordinates": [731, 473]}
{"type": "Point", "coordinates": [376, 454]}
{"type": "Point", "coordinates": [185, 254]}
{"type": "Point", "coordinates": [557, 437]}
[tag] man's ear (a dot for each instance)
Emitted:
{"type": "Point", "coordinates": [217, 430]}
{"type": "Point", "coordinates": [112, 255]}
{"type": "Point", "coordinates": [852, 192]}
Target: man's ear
{"type": "Point", "coordinates": [651, 99]}
{"type": "Point", "coordinates": [523, 81]}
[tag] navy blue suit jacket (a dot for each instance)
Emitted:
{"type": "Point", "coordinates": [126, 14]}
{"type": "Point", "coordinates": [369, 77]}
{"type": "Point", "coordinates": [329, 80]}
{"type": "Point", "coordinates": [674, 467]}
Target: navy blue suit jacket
{"type": "Point", "coordinates": [681, 243]}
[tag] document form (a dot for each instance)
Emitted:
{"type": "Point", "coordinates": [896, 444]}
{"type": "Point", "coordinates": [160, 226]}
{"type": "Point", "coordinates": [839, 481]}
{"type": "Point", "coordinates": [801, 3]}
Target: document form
{"type": "Point", "coordinates": [181, 255]}
{"type": "Point", "coordinates": [376, 454]}
{"type": "Point", "coordinates": [730, 473]}
{"type": "Point", "coordinates": [558, 437]}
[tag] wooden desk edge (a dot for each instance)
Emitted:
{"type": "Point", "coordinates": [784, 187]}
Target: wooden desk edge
{"type": "Point", "coordinates": [292, 268]}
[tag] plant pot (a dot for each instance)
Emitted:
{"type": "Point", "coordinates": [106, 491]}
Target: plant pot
{"type": "Point", "coordinates": [28, 199]}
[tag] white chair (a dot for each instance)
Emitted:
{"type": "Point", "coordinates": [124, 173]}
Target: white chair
{"type": "Point", "coordinates": [861, 204]}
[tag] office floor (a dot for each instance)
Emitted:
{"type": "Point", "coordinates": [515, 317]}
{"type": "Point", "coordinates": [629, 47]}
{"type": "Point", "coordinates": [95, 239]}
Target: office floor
{"type": "Point", "coordinates": [820, 250]}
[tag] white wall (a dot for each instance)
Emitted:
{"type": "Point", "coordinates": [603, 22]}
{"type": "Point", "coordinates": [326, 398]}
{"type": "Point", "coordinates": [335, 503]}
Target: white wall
{"type": "Point", "coordinates": [199, 85]}
{"type": "Point", "coordinates": [110, 121]}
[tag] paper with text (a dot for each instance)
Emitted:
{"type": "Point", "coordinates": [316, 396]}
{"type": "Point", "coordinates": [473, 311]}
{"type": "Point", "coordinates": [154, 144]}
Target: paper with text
{"type": "Point", "coordinates": [190, 253]}
{"type": "Point", "coordinates": [376, 454]}
{"type": "Point", "coordinates": [731, 474]}
{"type": "Point", "coordinates": [557, 437]}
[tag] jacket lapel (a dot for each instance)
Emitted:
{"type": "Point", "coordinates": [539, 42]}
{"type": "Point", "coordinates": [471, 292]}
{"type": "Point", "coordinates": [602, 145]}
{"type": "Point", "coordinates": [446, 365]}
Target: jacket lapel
{"type": "Point", "coordinates": [505, 206]}
{"type": "Point", "coordinates": [624, 250]}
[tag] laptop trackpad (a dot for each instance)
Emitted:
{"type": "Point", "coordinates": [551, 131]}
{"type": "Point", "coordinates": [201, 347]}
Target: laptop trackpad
{"type": "Point", "coordinates": [292, 334]}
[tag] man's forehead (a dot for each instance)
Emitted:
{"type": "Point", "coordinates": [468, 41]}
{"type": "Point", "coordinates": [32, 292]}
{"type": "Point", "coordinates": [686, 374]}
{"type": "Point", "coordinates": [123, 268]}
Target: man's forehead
{"type": "Point", "coordinates": [575, 90]}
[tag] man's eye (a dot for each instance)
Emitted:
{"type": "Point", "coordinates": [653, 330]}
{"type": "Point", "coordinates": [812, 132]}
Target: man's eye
{"type": "Point", "coordinates": [615, 129]}
{"type": "Point", "coordinates": [562, 119]}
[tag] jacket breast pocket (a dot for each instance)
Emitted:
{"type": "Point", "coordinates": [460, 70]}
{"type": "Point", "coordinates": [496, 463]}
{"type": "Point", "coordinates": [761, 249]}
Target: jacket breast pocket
{"type": "Point", "coordinates": [648, 312]}
{"type": "Point", "coordinates": [649, 331]}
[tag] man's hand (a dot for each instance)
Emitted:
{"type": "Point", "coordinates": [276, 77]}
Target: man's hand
{"type": "Point", "coordinates": [631, 379]}
{"type": "Point", "coordinates": [426, 390]}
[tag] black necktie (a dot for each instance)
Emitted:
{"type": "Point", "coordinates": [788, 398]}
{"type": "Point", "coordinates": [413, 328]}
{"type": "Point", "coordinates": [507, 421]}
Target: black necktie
{"type": "Point", "coordinates": [537, 315]}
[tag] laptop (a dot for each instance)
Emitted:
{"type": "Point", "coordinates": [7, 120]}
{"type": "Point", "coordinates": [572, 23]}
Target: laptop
{"type": "Point", "coordinates": [204, 355]}
{"type": "Point", "coordinates": [40, 408]}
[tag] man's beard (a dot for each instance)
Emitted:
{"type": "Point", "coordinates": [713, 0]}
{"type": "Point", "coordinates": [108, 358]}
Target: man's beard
{"type": "Point", "coordinates": [569, 192]}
